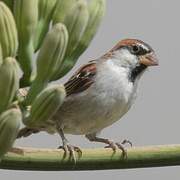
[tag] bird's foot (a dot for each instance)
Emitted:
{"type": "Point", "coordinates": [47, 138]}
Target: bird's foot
{"type": "Point", "coordinates": [110, 144]}
{"type": "Point", "coordinates": [115, 145]}
{"type": "Point", "coordinates": [71, 150]}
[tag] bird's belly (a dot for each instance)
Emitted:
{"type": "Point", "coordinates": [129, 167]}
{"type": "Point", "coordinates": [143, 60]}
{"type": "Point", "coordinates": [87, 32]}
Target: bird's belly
{"type": "Point", "coordinates": [95, 122]}
{"type": "Point", "coordinates": [92, 114]}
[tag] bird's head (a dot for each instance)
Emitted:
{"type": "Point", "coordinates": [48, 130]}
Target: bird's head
{"type": "Point", "coordinates": [135, 55]}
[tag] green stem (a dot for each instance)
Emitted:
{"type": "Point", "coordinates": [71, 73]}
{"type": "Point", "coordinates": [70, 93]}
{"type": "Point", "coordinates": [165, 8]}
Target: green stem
{"type": "Point", "coordinates": [92, 159]}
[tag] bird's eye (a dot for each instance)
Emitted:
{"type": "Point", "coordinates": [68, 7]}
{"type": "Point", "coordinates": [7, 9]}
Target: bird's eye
{"type": "Point", "coordinates": [135, 49]}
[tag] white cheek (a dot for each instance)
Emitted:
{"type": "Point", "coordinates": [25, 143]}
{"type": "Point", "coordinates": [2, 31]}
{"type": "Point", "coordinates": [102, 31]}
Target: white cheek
{"type": "Point", "coordinates": [126, 58]}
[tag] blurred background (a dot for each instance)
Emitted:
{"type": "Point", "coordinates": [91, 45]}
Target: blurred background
{"type": "Point", "coordinates": [154, 118]}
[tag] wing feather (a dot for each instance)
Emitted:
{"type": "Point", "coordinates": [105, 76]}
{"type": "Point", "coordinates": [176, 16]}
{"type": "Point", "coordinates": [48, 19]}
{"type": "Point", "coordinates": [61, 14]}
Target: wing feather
{"type": "Point", "coordinates": [82, 79]}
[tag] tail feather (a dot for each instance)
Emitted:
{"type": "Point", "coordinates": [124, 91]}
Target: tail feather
{"type": "Point", "coordinates": [25, 132]}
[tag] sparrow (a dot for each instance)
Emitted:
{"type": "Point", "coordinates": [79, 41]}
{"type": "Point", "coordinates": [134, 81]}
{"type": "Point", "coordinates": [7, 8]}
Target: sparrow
{"type": "Point", "coordinates": [100, 93]}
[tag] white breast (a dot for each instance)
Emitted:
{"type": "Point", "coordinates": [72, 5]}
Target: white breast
{"type": "Point", "coordinates": [114, 90]}
{"type": "Point", "coordinates": [105, 102]}
{"type": "Point", "coordinates": [113, 81]}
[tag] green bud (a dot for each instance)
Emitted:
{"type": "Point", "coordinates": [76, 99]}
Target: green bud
{"type": "Point", "coordinates": [52, 52]}
{"type": "Point", "coordinates": [9, 82]}
{"type": "Point", "coordinates": [26, 16]}
{"type": "Point", "coordinates": [96, 10]}
{"type": "Point", "coordinates": [76, 21]}
{"type": "Point", "coordinates": [45, 106]}
{"type": "Point", "coordinates": [46, 9]}
{"type": "Point", "coordinates": [61, 10]}
{"type": "Point", "coordinates": [9, 126]}
{"type": "Point", "coordinates": [49, 59]}
{"type": "Point", "coordinates": [8, 32]}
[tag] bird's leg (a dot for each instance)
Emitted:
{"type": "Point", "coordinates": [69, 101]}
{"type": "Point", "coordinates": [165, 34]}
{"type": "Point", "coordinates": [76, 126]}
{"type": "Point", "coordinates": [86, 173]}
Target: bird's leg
{"type": "Point", "coordinates": [113, 145]}
{"type": "Point", "coordinates": [68, 148]}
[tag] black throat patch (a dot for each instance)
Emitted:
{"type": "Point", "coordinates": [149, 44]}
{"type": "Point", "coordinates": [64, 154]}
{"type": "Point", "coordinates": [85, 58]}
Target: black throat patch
{"type": "Point", "coordinates": [137, 71]}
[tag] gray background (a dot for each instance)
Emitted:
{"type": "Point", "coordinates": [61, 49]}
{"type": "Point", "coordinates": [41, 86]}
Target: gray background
{"type": "Point", "coordinates": [154, 119]}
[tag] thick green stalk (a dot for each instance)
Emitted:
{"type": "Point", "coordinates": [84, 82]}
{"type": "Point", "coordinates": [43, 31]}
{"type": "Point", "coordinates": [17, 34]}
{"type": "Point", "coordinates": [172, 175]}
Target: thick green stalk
{"type": "Point", "coordinates": [92, 159]}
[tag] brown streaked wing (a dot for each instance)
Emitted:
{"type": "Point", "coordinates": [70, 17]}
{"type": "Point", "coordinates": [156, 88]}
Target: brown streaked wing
{"type": "Point", "coordinates": [82, 79]}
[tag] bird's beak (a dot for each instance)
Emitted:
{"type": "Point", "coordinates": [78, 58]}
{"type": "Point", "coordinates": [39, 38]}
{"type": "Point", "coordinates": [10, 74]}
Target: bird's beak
{"type": "Point", "coordinates": [149, 59]}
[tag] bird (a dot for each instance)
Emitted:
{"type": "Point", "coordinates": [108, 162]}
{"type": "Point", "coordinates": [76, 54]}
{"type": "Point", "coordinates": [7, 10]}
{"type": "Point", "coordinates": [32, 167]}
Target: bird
{"type": "Point", "coordinates": [100, 93]}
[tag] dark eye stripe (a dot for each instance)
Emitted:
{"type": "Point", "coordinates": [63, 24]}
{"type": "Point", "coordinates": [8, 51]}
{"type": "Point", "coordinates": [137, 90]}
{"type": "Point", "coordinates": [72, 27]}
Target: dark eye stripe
{"type": "Point", "coordinates": [139, 49]}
